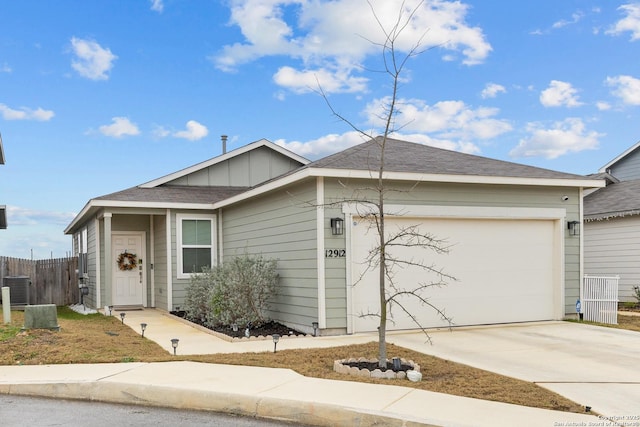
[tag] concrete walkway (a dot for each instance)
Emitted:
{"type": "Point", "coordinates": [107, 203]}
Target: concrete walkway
{"type": "Point", "coordinates": [265, 392]}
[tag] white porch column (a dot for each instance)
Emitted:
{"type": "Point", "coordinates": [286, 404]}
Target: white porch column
{"type": "Point", "coordinates": [169, 266]}
{"type": "Point", "coordinates": [322, 310]}
{"type": "Point", "coordinates": [108, 261]}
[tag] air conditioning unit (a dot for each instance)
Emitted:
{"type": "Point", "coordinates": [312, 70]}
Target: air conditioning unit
{"type": "Point", "coordinates": [18, 289]}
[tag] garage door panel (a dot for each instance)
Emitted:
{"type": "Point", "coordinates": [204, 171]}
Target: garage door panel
{"type": "Point", "coordinates": [504, 271]}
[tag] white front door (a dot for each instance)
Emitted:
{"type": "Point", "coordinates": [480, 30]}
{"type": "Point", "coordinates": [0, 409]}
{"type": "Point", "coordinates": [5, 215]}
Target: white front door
{"type": "Point", "coordinates": [128, 269]}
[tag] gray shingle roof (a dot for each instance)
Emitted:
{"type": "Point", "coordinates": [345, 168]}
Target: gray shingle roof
{"type": "Point", "coordinates": [174, 194]}
{"type": "Point", "coordinates": [614, 200]}
{"type": "Point", "coordinates": [403, 156]}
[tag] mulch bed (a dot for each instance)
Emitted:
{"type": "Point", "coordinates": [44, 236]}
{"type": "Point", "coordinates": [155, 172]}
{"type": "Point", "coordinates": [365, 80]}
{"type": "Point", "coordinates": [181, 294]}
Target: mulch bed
{"type": "Point", "coordinates": [265, 330]}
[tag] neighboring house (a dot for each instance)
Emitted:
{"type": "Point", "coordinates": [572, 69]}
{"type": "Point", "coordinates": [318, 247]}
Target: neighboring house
{"type": "Point", "coordinates": [612, 223]}
{"type": "Point", "coordinates": [3, 208]}
{"type": "Point", "coordinates": [506, 225]}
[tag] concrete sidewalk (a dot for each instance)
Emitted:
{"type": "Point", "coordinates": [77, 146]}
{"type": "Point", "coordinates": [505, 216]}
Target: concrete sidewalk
{"type": "Point", "coordinates": [269, 393]}
{"type": "Point", "coordinates": [262, 392]}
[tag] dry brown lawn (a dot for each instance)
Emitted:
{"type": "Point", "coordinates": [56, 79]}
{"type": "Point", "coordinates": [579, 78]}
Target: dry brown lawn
{"type": "Point", "coordinates": [103, 339]}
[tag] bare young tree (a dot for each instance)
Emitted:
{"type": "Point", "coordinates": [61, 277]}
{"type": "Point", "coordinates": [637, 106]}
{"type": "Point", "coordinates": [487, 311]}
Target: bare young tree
{"type": "Point", "coordinates": [392, 295]}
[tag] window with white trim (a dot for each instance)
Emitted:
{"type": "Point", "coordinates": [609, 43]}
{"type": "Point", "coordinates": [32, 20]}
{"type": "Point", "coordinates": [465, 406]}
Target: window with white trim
{"type": "Point", "coordinates": [196, 243]}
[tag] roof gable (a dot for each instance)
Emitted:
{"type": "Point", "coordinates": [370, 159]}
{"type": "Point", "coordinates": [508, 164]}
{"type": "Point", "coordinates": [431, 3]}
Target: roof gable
{"type": "Point", "coordinates": [627, 153]}
{"type": "Point", "coordinates": [246, 166]}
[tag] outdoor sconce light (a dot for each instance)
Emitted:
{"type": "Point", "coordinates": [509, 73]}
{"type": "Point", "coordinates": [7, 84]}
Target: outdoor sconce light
{"type": "Point", "coordinates": [122, 317]}
{"type": "Point", "coordinates": [315, 329]}
{"type": "Point", "coordinates": [110, 309]}
{"type": "Point", "coordinates": [337, 226]}
{"type": "Point", "coordinates": [574, 228]}
{"type": "Point", "coordinates": [174, 344]}
{"type": "Point", "coordinates": [276, 338]}
{"type": "Point", "coordinates": [143, 326]}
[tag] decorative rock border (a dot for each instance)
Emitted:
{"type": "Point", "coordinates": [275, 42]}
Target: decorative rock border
{"type": "Point", "coordinates": [340, 367]}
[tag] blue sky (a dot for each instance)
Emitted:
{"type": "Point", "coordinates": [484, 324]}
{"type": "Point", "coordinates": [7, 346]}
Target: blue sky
{"type": "Point", "coordinates": [99, 96]}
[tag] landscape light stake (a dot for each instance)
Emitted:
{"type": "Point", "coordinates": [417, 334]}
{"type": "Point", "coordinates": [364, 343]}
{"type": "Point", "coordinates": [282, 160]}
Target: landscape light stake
{"type": "Point", "coordinates": [143, 326]}
{"type": "Point", "coordinates": [110, 309]}
{"type": "Point", "coordinates": [276, 338]}
{"type": "Point", "coordinates": [315, 329]}
{"type": "Point", "coordinates": [174, 344]}
{"type": "Point", "coordinates": [122, 317]}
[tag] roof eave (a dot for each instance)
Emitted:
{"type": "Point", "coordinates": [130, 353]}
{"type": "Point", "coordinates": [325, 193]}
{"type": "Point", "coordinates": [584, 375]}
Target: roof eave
{"type": "Point", "coordinates": [465, 179]}
{"type": "Point", "coordinates": [95, 205]}
{"type": "Point", "coordinates": [405, 176]}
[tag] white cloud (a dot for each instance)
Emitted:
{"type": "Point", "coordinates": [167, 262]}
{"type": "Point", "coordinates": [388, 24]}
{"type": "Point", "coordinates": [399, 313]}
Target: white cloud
{"type": "Point", "coordinates": [445, 119]}
{"type": "Point", "coordinates": [194, 131]}
{"type": "Point", "coordinates": [567, 136]}
{"type": "Point", "coordinates": [120, 127]}
{"type": "Point", "coordinates": [26, 113]}
{"type": "Point", "coordinates": [157, 5]}
{"type": "Point", "coordinates": [575, 18]}
{"type": "Point", "coordinates": [160, 131]}
{"type": "Point", "coordinates": [330, 144]}
{"type": "Point", "coordinates": [559, 94]}
{"type": "Point", "coordinates": [323, 146]}
{"type": "Point", "coordinates": [336, 36]}
{"type": "Point", "coordinates": [17, 216]}
{"type": "Point", "coordinates": [91, 60]}
{"type": "Point", "coordinates": [626, 88]}
{"type": "Point", "coordinates": [491, 90]}
{"type": "Point", "coordinates": [603, 106]}
{"type": "Point", "coordinates": [631, 22]}
{"type": "Point", "coordinates": [5, 68]}
{"type": "Point", "coordinates": [305, 81]}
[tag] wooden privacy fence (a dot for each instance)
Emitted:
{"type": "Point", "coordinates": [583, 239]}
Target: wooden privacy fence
{"type": "Point", "coordinates": [53, 281]}
{"type": "Point", "coordinates": [600, 299]}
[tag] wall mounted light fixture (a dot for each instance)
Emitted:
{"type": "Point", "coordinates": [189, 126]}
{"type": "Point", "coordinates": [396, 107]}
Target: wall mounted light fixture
{"type": "Point", "coordinates": [337, 226]}
{"type": "Point", "coordinates": [574, 228]}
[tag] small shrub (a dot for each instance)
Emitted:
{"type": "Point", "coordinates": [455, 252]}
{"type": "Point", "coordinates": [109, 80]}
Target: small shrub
{"type": "Point", "coordinates": [636, 293]}
{"type": "Point", "coordinates": [245, 287]}
{"type": "Point", "coordinates": [199, 293]}
{"type": "Point", "coordinates": [629, 304]}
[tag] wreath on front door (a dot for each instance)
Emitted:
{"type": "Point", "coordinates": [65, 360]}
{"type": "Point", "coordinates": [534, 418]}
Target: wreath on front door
{"type": "Point", "coordinates": [126, 261]}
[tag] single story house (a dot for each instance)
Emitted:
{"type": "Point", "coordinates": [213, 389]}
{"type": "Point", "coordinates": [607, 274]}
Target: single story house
{"type": "Point", "coordinates": [511, 251]}
{"type": "Point", "coordinates": [612, 223]}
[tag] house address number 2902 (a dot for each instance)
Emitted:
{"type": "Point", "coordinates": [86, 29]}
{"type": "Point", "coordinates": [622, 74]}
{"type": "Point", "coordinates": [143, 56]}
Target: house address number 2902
{"type": "Point", "coordinates": [335, 253]}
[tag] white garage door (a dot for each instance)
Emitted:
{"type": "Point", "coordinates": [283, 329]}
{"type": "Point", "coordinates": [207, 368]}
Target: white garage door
{"type": "Point", "coordinates": [506, 271]}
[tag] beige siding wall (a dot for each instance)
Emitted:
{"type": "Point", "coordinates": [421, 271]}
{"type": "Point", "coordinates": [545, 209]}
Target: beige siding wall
{"type": "Point", "coordinates": [440, 194]}
{"type": "Point", "coordinates": [280, 226]}
{"type": "Point", "coordinates": [612, 247]}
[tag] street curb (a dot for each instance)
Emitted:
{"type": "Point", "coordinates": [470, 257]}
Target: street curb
{"type": "Point", "coordinates": [309, 413]}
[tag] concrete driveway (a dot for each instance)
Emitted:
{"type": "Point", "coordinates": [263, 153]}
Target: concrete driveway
{"type": "Point", "coordinates": [593, 366]}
